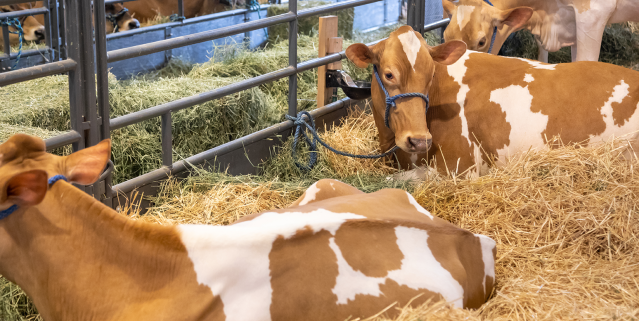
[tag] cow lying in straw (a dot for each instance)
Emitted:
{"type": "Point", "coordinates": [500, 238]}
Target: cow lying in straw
{"type": "Point", "coordinates": [485, 107]}
{"type": "Point", "coordinates": [335, 253]}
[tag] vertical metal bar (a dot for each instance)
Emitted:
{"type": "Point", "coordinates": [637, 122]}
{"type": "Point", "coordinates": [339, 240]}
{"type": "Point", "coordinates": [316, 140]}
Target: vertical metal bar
{"type": "Point", "coordinates": [292, 59]}
{"type": "Point", "coordinates": [90, 99]}
{"type": "Point", "coordinates": [47, 28]}
{"type": "Point", "coordinates": [55, 30]}
{"type": "Point", "coordinates": [168, 54]}
{"type": "Point", "coordinates": [63, 26]}
{"type": "Point", "coordinates": [5, 63]}
{"type": "Point", "coordinates": [181, 9]}
{"type": "Point", "coordinates": [167, 140]}
{"type": "Point", "coordinates": [385, 11]}
{"type": "Point", "coordinates": [416, 12]}
{"type": "Point", "coordinates": [103, 90]}
{"type": "Point", "coordinates": [76, 85]}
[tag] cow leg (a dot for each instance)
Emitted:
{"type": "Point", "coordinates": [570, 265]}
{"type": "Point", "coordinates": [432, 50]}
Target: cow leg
{"type": "Point", "coordinates": [543, 55]}
{"type": "Point", "coordinates": [590, 27]}
{"type": "Point", "coordinates": [325, 189]}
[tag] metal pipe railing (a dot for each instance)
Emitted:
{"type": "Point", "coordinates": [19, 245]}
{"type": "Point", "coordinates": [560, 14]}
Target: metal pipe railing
{"type": "Point", "coordinates": [62, 140]}
{"type": "Point", "coordinates": [24, 74]}
{"type": "Point", "coordinates": [23, 13]}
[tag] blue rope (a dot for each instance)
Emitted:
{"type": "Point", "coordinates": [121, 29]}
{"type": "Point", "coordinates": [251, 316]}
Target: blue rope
{"type": "Point", "coordinates": [15, 22]}
{"type": "Point", "coordinates": [390, 101]}
{"type": "Point", "coordinates": [14, 207]}
{"type": "Point", "coordinates": [492, 41]}
{"type": "Point", "coordinates": [254, 5]}
{"type": "Point", "coordinates": [300, 122]}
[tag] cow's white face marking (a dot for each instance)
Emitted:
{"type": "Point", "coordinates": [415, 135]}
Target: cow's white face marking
{"type": "Point", "coordinates": [487, 246]}
{"type": "Point", "coordinates": [233, 261]}
{"type": "Point", "coordinates": [529, 78]}
{"type": "Point", "coordinates": [310, 194]}
{"type": "Point", "coordinates": [525, 126]}
{"type": "Point", "coordinates": [418, 207]}
{"type": "Point", "coordinates": [458, 71]}
{"type": "Point", "coordinates": [464, 13]}
{"type": "Point", "coordinates": [418, 260]}
{"type": "Point", "coordinates": [411, 45]}
{"type": "Point", "coordinates": [619, 92]}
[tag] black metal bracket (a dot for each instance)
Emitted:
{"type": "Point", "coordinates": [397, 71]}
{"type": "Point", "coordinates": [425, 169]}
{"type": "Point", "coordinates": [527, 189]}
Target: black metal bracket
{"type": "Point", "coordinates": [357, 89]}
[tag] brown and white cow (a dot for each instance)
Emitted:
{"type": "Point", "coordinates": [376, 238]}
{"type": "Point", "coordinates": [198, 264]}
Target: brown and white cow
{"type": "Point", "coordinates": [33, 29]}
{"type": "Point", "coordinates": [335, 253]}
{"type": "Point", "coordinates": [484, 108]}
{"type": "Point", "coordinates": [145, 10]}
{"type": "Point", "coordinates": [555, 23]}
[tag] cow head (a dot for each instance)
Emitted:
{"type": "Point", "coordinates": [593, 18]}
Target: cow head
{"type": "Point", "coordinates": [406, 64]}
{"type": "Point", "coordinates": [474, 22]}
{"type": "Point", "coordinates": [33, 30]}
{"type": "Point", "coordinates": [119, 19]}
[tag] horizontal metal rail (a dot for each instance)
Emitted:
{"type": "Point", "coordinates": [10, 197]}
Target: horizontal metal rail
{"type": "Point", "coordinates": [200, 158]}
{"type": "Point", "coordinates": [62, 140]}
{"type": "Point", "coordinates": [438, 24]}
{"type": "Point", "coordinates": [179, 104]}
{"type": "Point", "coordinates": [185, 22]}
{"type": "Point", "coordinates": [10, 2]}
{"type": "Point", "coordinates": [24, 74]}
{"type": "Point", "coordinates": [23, 13]}
{"type": "Point", "coordinates": [28, 53]}
{"type": "Point", "coordinates": [163, 45]}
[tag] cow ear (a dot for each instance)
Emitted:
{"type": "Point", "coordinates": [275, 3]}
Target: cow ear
{"type": "Point", "coordinates": [85, 166]}
{"type": "Point", "coordinates": [360, 55]}
{"type": "Point", "coordinates": [515, 18]}
{"type": "Point", "coordinates": [448, 53]}
{"type": "Point", "coordinates": [449, 8]}
{"type": "Point", "coordinates": [27, 188]}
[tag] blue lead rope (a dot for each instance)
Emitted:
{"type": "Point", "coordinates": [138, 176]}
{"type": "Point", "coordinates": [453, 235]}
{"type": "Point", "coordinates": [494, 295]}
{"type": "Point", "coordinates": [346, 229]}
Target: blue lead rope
{"type": "Point", "coordinates": [15, 22]}
{"type": "Point", "coordinates": [492, 41]}
{"type": "Point", "coordinates": [14, 207]}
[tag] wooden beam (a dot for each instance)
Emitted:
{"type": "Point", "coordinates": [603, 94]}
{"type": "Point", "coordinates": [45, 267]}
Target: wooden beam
{"type": "Point", "coordinates": [327, 29]}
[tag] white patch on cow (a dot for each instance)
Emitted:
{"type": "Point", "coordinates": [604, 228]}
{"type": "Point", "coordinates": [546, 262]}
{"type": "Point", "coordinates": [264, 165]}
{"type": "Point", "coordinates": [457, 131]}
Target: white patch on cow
{"type": "Point", "coordinates": [418, 207]}
{"type": "Point", "coordinates": [233, 261]}
{"type": "Point", "coordinates": [310, 194]}
{"type": "Point", "coordinates": [411, 45]}
{"type": "Point", "coordinates": [349, 282]}
{"type": "Point", "coordinates": [464, 13]}
{"type": "Point", "coordinates": [332, 185]}
{"type": "Point", "coordinates": [525, 126]}
{"type": "Point", "coordinates": [419, 270]}
{"type": "Point", "coordinates": [487, 246]}
{"type": "Point", "coordinates": [458, 71]}
{"type": "Point", "coordinates": [419, 260]}
{"type": "Point", "coordinates": [538, 65]}
{"type": "Point", "coordinates": [529, 78]}
{"type": "Point", "coordinates": [619, 92]}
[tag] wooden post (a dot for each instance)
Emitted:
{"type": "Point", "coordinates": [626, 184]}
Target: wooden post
{"type": "Point", "coordinates": [327, 29]}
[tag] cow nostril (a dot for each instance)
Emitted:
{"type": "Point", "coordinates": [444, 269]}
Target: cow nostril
{"type": "Point", "coordinates": [134, 24]}
{"type": "Point", "coordinates": [39, 34]}
{"type": "Point", "coordinates": [418, 144]}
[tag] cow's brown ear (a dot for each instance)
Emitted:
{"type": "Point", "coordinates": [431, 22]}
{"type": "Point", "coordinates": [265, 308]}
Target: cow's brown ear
{"type": "Point", "coordinates": [85, 166]}
{"type": "Point", "coordinates": [515, 18]}
{"type": "Point", "coordinates": [360, 55]}
{"type": "Point", "coordinates": [449, 52]}
{"type": "Point", "coordinates": [27, 188]}
{"type": "Point", "coordinates": [449, 8]}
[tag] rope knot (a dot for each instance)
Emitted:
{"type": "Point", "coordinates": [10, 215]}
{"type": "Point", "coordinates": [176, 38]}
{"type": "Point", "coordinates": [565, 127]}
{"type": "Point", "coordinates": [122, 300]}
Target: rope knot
{"type": "Point", "coordinates": [15, 22]}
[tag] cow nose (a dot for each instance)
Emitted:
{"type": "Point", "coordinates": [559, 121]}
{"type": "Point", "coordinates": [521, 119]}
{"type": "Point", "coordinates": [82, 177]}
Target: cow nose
{"type": "Point", "coordinates": [134, 24]}
{"type": "Point", "coordinates": [39, 34]}
{"type": "Point", "coordinates": [419, 145]}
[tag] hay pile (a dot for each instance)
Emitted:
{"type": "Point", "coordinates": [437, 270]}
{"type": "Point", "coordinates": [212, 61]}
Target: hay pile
{"type": "Point", "coordinates": [619, 46]}
{"type": "Point", "coordinates": [309, 26]}
{"type": "Point", "coordinates": [566, 221]}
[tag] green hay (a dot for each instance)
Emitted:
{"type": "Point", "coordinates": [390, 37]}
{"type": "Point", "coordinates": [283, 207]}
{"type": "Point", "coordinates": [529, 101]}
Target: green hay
{"type": "Point", "coordinates": [619, 46]}
{"type": "Point", "coordinates": [15, 305]}
{"type": "Point", "coordinates": [309, 26]}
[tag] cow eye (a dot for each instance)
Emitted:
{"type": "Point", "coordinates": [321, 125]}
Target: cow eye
{"type": "Point", "coordinates": [389, 76]}
{"type": "Point", "coordinates": [482, 42]}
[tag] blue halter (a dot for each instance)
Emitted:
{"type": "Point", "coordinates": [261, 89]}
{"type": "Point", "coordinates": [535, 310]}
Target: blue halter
{"type": "Point", "coordinates": [390, 101]}
{"type": "Point", "coordinates": [14, 207]}
{"type": "Point", "coordinates": [492, 41]}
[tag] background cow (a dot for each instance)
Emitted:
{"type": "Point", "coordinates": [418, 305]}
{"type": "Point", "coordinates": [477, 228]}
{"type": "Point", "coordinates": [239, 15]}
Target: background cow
{"type": "Point", "coordinates": [145, 10]}
{"type": "Point", "coordinates": [555, 24]}
{"type": "Point", "coordinates": [33, 29]}
{"type": "Point", "coordinates": [484, 108]}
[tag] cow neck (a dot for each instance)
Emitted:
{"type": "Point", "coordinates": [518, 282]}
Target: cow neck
{"type": "Point", "coordinates": [72, 248]}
